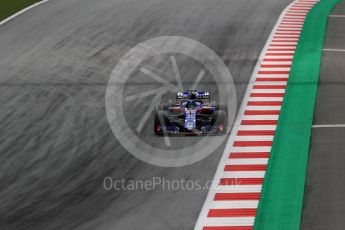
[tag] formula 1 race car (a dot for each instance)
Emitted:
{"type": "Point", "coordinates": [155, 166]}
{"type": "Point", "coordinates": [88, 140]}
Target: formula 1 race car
{"type": "Point", "coordinates": [192, 114]}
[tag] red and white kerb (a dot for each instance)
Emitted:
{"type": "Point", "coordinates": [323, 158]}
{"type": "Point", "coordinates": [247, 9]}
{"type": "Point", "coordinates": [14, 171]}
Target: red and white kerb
{"type": "Point", "coordinates": [233, 200]}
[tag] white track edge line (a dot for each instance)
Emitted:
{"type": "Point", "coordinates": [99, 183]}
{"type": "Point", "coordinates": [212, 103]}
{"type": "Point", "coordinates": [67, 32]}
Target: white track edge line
{"type": "Point", "coordinates": [336, 16]}
{"type": "Point", "coordinates": [329, 126]}
{"type": "Point", "coordinates": [334, 50]}
{"type": "Point", "coordinates": [22, 11]}
{"type": "Point", "coordinates": [203, 214]}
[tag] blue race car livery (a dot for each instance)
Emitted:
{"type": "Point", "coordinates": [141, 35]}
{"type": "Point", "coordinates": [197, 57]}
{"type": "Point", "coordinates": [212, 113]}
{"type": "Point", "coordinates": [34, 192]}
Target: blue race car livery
{"type": "Point", "coordinates": [192, 114]}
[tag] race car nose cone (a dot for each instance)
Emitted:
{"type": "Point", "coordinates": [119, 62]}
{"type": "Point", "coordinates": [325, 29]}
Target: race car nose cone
{"type": "Point", "coordinates": [189, 125]}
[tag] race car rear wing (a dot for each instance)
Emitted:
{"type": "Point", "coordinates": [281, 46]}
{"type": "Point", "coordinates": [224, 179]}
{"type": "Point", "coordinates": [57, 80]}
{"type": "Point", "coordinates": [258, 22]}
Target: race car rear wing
{"type": "Point", "coordinates": [199, 95]}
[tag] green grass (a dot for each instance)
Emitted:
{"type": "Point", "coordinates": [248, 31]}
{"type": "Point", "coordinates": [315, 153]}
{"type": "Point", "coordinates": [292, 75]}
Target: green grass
{"type": "Point", "coordinates": [10, 7]}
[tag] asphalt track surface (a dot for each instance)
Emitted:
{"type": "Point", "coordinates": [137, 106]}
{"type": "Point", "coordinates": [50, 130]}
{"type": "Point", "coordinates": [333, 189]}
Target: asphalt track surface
{"type": "Point", "coordinates": [56, 143]}
{"type": "Point", "coordinates": [324, 204]}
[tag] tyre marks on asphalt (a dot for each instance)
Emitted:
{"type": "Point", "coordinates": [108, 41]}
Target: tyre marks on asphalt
{"type": "Point", "coordinates": [233, 199]}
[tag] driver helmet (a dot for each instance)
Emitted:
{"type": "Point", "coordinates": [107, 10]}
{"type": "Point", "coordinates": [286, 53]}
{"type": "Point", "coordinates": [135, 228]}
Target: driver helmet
{"type": "Point", "coordinates": [193, 95]}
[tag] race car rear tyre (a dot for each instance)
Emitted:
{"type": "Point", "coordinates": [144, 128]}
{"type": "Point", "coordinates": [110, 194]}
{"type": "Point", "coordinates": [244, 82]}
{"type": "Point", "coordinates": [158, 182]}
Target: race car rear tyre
{"type": "Point", "coordinates": [220, 120]}
{"type": "Point", "coordinates": [222, 107]}
{"type": "Point", "coordinates": [160, 116]}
